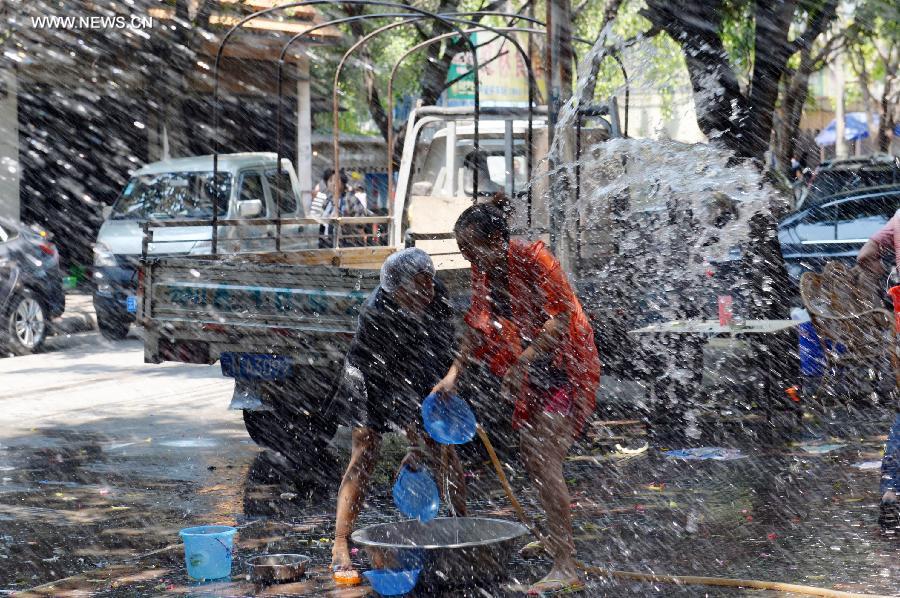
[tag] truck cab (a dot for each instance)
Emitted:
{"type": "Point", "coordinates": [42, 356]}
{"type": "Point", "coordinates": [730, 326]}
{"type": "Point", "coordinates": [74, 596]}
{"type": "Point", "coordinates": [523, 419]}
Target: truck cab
{"type": "Point", "coordinates": [184, 189]}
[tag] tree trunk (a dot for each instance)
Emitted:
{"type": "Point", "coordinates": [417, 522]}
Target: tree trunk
{"type": "Point", "coordinates": [722, 110]}
{"type": "Point", "coordinates": [609, 13]}
{"type": "Point", "coordinates": [886, 122]}
{"type": "Point", "coordinates": [793, 103]}
{"type": "Point", "coordinates": [373, 98]}
{"type": "Point", "coordinates": [773, 20]}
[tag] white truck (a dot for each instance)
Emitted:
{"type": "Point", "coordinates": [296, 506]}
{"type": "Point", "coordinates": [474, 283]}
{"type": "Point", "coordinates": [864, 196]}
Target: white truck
{"type": "Point", "coordinates": [281, 321]}
{"type": "Point", "coordinates": [176, 190]}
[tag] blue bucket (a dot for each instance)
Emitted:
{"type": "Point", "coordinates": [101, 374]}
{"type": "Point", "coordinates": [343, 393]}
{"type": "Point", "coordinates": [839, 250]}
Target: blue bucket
{"type": "Point", "coordinates": [812, 359]}
{"type": "Point", "coordinates": [416, 495]}
{"type": "Point", "coordinates": [207, 551]}
{"type": "Point", "coordinates": [448, 420]}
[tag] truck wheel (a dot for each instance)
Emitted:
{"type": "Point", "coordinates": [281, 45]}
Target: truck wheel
{"type": "Point", "coordinates": [111, 327]}
{"type": "Point", "coordinates": [25, 324]}
{"type": "Point", "coordinates": [299, 438]}
{"type": "Point", "coordinates": [259, 424]}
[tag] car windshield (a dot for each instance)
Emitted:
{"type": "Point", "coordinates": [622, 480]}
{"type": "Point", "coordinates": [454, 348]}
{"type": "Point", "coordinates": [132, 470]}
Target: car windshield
{"type": "Point", "coordinates": [172, 195]}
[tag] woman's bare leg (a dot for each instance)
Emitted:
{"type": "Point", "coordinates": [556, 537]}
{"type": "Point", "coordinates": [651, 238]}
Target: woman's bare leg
{"type": "Point", "coordinates": [544, 444]}
{"type": "Point", "coordinates": [363, 456]}
{"type": "Point", "coordinates": [457, 482]}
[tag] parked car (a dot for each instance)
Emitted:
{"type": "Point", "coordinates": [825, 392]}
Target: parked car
{"type": "Point", "coordinates": [31, 291]}
{"type": "Point", "coordinates": [849, 174]}
{"type": "Point", "coordinates": [835, 229]}
{"type": "Point", "coordinates": [182, 189]}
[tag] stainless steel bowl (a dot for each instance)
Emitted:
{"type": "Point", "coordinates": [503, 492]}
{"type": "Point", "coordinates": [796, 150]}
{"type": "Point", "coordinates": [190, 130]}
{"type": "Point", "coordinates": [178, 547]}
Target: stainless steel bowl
{"type": "Point", "coordinates": [277, 568]}
{"type": "Point", "coordinates": [451, 550]}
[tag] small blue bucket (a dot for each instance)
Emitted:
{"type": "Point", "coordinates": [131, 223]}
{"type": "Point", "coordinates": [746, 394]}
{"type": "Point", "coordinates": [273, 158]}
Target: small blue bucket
{"type": "Point", "coordinates": [812, 359]}
{"type": "Point", "coordinates": [416, 495]}
{"type": "Point", "coordinates": [207, 551]}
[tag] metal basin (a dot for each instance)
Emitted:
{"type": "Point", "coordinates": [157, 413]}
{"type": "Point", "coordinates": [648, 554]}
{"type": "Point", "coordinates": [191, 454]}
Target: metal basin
{"type": "Point", "coordinates": [451, 550]}
{"type": "Point", "coordinates": [277, 568]}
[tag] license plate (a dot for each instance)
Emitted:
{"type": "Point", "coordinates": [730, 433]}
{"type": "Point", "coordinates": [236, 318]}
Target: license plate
{"type": "Point", "coordinates": [255, 366]}
{"type": "Point", "coordinates": [131, 304]}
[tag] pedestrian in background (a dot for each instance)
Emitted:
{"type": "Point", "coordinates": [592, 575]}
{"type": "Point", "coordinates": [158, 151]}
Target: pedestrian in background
{"type": "Point", "coordinates": [874, 260]}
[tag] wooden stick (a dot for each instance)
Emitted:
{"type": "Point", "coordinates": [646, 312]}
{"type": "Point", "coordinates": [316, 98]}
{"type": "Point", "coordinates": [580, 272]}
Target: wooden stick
{"type": "Point", "coordinates": [505, 483]}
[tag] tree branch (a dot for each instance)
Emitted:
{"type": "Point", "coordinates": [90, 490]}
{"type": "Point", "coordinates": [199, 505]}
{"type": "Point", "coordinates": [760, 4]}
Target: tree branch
{"type": "Point", "coordinates": [420, 29]}
{"type": "Point", "coordinates": [204, 12]}
{"type": "Point", "coordinates": [609, 13]}
{"type": "Point", "coordinates": [512, 21]}
{"type": "Point", "coordinates": [831, 46]}
{"type": "Point", "coordinates": [373, 99]}
{"type": "Point", "coordinates": [817, 22]}
{"type": "Point", "coordinates": [581, 6]}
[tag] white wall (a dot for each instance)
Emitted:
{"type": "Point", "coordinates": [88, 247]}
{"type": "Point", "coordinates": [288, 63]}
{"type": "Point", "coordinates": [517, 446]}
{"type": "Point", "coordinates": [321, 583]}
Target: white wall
{"type": "Point", "coordinates": [9, 145]}
{"type": "Point", "coordinates": [646, 118]}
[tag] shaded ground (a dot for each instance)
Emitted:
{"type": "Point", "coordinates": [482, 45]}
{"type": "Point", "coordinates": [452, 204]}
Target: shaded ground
{"type": "Point", "coordinates": [107, 459]}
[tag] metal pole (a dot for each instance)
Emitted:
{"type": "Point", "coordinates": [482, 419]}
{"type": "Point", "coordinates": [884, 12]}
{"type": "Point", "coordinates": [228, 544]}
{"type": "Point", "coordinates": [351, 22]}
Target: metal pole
{"type": "Point", "coordinates": [500, 31]}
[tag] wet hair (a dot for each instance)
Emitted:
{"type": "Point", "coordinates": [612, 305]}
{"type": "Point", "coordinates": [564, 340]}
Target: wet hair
{"type": "Point", "coordinates": [401, 267]}
{"type": "Point", "coordinates": [485, 220]}
{"type": "Point", "coordinates": [326, 176]}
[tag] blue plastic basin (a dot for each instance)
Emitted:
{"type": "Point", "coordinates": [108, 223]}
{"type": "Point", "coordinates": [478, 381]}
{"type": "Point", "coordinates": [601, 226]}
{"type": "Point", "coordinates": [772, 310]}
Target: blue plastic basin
{"type": "Point", "coordinates": [448, 420]}
{"type": "Point", "coordinates": [416, 495]}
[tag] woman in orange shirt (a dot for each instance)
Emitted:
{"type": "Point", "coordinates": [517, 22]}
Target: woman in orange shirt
{"type": "Point", "coordinates": [527, 331]}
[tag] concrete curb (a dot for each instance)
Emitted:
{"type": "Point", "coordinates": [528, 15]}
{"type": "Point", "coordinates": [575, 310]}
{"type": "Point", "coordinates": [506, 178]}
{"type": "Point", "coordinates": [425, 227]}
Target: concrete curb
{"type": "Point", "coordinates": [73, 324]}
{"type": "Point", "coordinates": [78, 317]}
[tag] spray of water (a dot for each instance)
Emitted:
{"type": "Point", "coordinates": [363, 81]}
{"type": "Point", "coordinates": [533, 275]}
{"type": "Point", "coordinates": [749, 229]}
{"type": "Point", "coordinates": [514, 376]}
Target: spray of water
{"type": "Point", "coordinates": [651, 221]}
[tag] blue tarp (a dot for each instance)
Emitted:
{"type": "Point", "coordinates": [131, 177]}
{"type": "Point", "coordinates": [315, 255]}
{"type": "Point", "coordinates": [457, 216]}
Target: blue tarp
{"type": "Point", "coordinates": [854, 128]}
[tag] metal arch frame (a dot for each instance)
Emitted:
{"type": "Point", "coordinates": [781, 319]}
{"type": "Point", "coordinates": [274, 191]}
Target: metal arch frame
{"type": "Point", "coordinates": [407, 20]}
{"type": "Point", "coordinates": [340, 67]}
{"type": "Point", "coordinates": [255, 15]}
{"type": "Point", "coordinates": [446, 18]}
{"type": "Point", "coordinates": [279, 106]}
{"type": "Point", "coordinates": [453, 16]}
{"type": "Point", "coordinates": [532, 84]}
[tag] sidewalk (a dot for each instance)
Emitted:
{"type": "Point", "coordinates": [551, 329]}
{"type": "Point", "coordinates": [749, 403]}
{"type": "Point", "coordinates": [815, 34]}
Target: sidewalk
{"type": "Point", "coordinates": [78, 317]}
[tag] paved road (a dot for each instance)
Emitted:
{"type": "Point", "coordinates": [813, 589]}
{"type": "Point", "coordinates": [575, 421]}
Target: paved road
{"type": "Point", "coordinates": [99, 453]}
{"type": "Point", "coordinates": [103, 459]}
{"type": "Point", "coordinates": [84, 379]}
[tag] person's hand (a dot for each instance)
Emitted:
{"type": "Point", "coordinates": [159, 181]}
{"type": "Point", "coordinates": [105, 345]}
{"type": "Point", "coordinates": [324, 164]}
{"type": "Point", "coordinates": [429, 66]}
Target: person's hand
{"type": "Point", "coordinates": [412, 460]}
{"type": "Point", "coordinates": [446, 387]}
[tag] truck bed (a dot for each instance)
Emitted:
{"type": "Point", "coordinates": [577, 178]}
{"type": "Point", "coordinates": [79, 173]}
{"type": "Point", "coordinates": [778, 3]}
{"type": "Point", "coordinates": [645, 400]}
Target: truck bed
{"type": "Point", "coordinates": [194, 309]}
{"type": "Point", "coordinates": [301, 304]}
